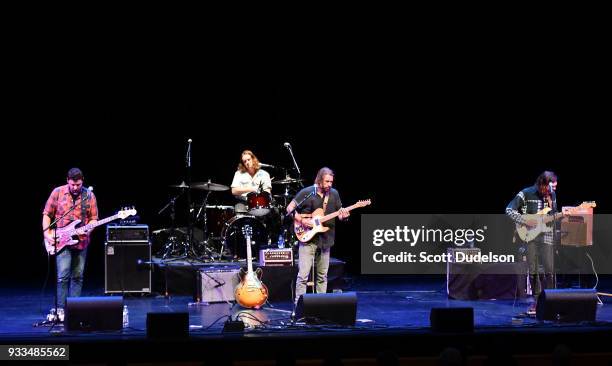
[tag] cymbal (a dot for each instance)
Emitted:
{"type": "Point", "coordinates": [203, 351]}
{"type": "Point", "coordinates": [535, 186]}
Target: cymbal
{"type": "Point", "coordinates": [208, 186]}
{"type": "Point", "coordinates": [182, 185]}
{"type": "Point", "coordinates": [287, 181]}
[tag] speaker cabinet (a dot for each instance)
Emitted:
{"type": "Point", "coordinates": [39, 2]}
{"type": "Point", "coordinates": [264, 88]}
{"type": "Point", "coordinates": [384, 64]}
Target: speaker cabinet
{"type": "Point", "coordinates": [127, 267]}
{"type": "Point", "coordinates": [567, 305]}
{"type": "Point", "coordinates": [334, 308]}
{"type": "Point", "coordinates": [94, 313]}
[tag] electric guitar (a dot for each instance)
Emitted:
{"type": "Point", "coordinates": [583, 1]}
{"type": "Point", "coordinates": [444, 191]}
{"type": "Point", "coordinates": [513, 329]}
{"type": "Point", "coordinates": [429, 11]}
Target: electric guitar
{"type": "Point", "coordinates": [543, 219]}
{"type": "Point", "coordinates": [305, 233]}
{"type": "Point", "coordinates": [250, 292]}
{"type": "Point", "coordinates": [69, 234]}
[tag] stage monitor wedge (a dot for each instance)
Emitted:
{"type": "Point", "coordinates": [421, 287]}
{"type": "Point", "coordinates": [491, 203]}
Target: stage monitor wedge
{"type": "Point", "coordinates": [567, 305]}
{"type": "Point", "coordinates": [94, 313]}
{"type": "Point", "coordinates": [332, 309]}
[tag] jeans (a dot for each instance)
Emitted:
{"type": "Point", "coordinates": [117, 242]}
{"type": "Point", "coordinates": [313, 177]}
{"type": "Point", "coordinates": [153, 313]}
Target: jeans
{"type": "Point", "coordinates": [308, 253]}
{"type": "Point", "coordinates": [540, 253]}
{"type": "Point", "coordinates": [70, 267]}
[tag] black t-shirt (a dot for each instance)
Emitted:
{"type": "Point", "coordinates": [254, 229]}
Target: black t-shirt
{"type": "Point", "coordinates": [315, 201]}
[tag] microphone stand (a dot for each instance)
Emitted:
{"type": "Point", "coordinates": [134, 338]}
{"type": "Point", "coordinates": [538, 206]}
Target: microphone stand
{"type": "Point", "coordinates": [188, 182]}
{"type": "Point", "coordinates": [53, 225]}
{"type": "Point", "coordinates": [291, 213]}
{"type": "Point", "coordinates": [553, 199]}
{"type": "Point", "coordinates": [297, 168]}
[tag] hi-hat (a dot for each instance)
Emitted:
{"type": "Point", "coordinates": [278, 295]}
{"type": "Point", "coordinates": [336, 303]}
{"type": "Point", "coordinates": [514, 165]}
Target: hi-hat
{"type": "Point", "coordinates": [208, 186]}
{"type": "Point", "coordinates": [287, 181]}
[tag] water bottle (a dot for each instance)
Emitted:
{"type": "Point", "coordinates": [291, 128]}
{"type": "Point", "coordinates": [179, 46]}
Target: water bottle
{"type": "Point", "coordinates": [281, 241]}
{"type": "Point", "coordinates": [126, 317]}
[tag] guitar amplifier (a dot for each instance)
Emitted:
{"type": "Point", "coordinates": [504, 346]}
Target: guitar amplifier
{"type": "Point", "coordinates": [217, 283]}
{"type": "Point", "coordinates": [575, 233]}
{"type": "Point", "coordinates": [276, 257]}
{"type": "Point", "coordinates": [118, 233]}
{"type": "Point", "coordinates": [466, 254]}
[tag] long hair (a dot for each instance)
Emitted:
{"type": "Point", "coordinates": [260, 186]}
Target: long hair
{"type": "Point", "coordinates": [545, 178]}
{"type": "Point", "coordinates": [241, 166]}
{"type": "Point", "coordinates": [323, 172]}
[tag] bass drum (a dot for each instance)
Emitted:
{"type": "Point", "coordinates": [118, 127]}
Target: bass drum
{"type": "Point", "coordinates": [235, 241]}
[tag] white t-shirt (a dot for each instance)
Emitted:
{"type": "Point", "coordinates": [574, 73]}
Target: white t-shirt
{"type": "Point", "coordinates": [244, 180]}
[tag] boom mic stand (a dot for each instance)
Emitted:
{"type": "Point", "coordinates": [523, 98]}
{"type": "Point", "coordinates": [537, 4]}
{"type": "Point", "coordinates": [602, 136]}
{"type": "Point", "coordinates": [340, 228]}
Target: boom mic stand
{"type": "Point", "coordinates": [189, 208]}
{"type": "Point", "coordinates": [297, 168]}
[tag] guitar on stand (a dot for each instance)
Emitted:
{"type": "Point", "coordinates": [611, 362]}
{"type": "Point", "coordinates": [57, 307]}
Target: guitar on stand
{"type": "Point", "coordinates": [250, 292]}
{"type": "Point", "coordinates": [69, 234]}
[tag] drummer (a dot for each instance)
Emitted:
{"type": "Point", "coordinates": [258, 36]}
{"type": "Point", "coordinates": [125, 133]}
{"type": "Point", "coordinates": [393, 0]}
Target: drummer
{"type": "Point", "coordinates": [249, 178]}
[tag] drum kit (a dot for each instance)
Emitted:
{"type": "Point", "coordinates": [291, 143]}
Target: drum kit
{"type": "Point", "coordinates": [217, 228]}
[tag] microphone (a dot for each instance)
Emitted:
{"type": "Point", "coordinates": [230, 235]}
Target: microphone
{"type": "Point", "coordinates": [88, 193]}
{"type": "Point", "coordinates": [189, 153]}
{"type": "Point", "coordinates": [266, 165]}
{"type": "Point", "coordinates": [144, 264]}
{"type": "Point", "coordinates": [551, 187]}
{"type": "Point", "coordinates": [287, 145]}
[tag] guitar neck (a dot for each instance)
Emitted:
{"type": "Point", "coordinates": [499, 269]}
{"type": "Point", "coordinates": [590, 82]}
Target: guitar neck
{"type": "Point", "coordinates": [97, 223]}
{"type": "Point", "coordinates": [249, 260]}
{"type": "Point", "coordinates": [334, 214]}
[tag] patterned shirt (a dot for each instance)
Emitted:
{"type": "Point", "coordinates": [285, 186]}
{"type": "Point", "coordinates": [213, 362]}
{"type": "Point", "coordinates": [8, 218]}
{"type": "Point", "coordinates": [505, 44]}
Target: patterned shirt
{"type": "Point", "coordinates": [529, 201]}
{"type": "Point", "coordinates": [60, 201]}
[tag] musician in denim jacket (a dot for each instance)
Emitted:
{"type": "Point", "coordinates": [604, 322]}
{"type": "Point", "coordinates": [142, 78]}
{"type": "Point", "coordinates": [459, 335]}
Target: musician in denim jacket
{"type": "Point", "coordinates": [531, 200]}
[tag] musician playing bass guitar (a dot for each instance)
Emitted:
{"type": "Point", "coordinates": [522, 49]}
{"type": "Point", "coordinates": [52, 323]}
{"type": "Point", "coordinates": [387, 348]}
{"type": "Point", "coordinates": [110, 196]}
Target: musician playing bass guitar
{"type": "Point", "coordinates": [525, 210]}
{"type": "Point", "coordinates": [70, 260]}
{"type": "Point", "coordinates": [319, 196]}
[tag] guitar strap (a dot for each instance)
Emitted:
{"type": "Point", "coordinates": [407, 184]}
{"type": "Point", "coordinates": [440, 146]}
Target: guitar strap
{"type": "Point", "coordinates": [325, 200]}
{"type": "Point", "coordinates": [83, 207]}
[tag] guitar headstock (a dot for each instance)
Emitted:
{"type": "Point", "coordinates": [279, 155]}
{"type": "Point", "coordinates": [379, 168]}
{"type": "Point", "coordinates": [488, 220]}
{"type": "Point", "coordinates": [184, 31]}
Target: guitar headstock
{"type": "Point", "coordinates": [364, 203]}
{"type": "Point", "coordinates": [588, 204]}
{"type": "Point", "coordinates": [126, 212]}
{"type": "Point", "coordinates": [247, 231]}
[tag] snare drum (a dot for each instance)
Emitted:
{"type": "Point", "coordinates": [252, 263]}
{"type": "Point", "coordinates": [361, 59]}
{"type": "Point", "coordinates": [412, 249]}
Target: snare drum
{"type": "Point", "coordinates": [234, 239]}
{"type": "Point", "coordinates": [259, 203]}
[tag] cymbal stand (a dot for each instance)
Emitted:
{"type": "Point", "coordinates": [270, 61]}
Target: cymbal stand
{"type": "Point", "coordinates": [172, 243]}
{"type": "Point", "coordinates": [208, 253]}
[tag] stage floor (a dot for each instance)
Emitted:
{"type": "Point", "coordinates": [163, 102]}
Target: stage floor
{"type": "Point", "coordinates": [387, 306]}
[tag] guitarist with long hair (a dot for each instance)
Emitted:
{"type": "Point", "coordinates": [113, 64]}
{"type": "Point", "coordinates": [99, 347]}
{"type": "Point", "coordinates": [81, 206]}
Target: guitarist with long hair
{"type": "Point", "coordinates": [319, 196]}
{"type": "Point", "coordinates": [530, 201]}
{"type": "Point", "coordinates": [70, 260]}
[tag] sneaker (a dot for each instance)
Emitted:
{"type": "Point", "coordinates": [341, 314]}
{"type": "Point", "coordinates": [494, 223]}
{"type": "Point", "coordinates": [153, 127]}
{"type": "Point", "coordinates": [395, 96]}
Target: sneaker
{"type": "Point", "coordinates": [56, 315]}
{"type": "Point", "coordinates": [531, 310]}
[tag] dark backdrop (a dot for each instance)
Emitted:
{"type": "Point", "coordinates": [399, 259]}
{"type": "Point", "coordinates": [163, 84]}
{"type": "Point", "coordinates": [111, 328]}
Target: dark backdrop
{"type": "Point", "coordinates": [417, 129]}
